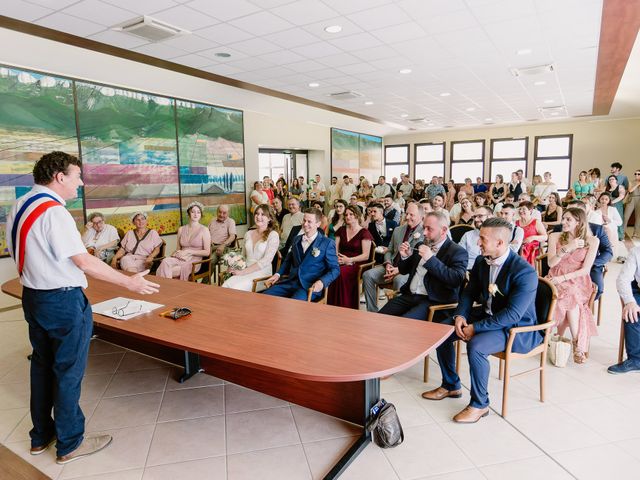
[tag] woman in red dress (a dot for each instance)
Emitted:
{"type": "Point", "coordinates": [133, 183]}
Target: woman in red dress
{"type": "Point", "coordinates": [534, 233]}
{"type": "Point", "coordinates": [354, 245]}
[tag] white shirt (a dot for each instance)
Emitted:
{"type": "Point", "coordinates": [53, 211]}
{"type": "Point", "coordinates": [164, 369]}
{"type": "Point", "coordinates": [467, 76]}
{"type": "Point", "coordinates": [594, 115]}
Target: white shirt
{"type": "Point", "coordinates": [381, 191]}
{"type": "Point", "coordinates": [542, 192]}
{"type": "Point", "coordinates": [51, 242]}
{"type": "Point", "coordinates": [469, 242]}
{"type": "Point", "coordinates": [595, 216]}
{"type": "Point", "coordinates": [517, 238]}
{"type": "Point", "coordinates": [333, 193]}
{"type": "Point", "coordinates": [347, 191]}
{"type": "Point", "coordinates": [306, 242]}
{"type": "Point", "coordinates": [455, 212]}
{"type": "Point", "coordinates": [289, 221]}
{"type": "Point", "coordinates": [92, 238]}
{"type": "Point", "coordinates": [629, 272]}
{"type": "Point", "coordinates": [417, 282]}
{"type": "Point", "coordinates": [494, 271]}
{"type": "Point", "coordinates": [321, 189]}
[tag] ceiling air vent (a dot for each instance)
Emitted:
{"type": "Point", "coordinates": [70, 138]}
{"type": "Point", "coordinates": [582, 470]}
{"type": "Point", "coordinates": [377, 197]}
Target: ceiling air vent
{"type": "Point", "coordinates": [537, 70]}
{"type": "Point", "coordinates": [348, 95]}
{"type": "Point", "coordinates": [418, 120]}
{"type": "Point", "coordinates": [553, 112]}
{"type": "Point", "coordinates": [149, 29]}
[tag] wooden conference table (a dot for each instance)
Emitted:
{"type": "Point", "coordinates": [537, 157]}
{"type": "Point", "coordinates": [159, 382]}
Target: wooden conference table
{"type": "Point", "coordinates": [322, 357]}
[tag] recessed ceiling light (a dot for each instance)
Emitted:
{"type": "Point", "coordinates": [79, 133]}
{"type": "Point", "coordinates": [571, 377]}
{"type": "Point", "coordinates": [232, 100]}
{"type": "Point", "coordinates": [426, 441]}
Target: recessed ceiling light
{"type": "Point", "coordinates": [555, 114]}
{"type": "Point", "coordinates": [471, 109]}
{"type": "Point", "coordinates": [222, 54]}
{"type": "Point", "coordinates": [431, 124]}
{"type": "Point", "coordinates": [445, 94]}
{"type": "Point", "coordinates": [539, 83]}
{"type": "Point", "coordinates": [488, 119]}
{"type": "Point", "coordinates": [405, 71]}
{"type": "Point", "coordinates": [368, 102]}
{"type": "Point", "coordinates": [549, 101]}
{"type": "Point", "coordinates": [333, 29]}
{"type": "Point", "coordinates": [524, 51]}
{"type": "Point", "coordinates": [314, 84]}
{"type": "Point", "coordinates": [404, 115]}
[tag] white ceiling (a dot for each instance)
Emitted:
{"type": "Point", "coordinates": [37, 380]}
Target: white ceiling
{"type": "Point", "coordinates": [463, 48]}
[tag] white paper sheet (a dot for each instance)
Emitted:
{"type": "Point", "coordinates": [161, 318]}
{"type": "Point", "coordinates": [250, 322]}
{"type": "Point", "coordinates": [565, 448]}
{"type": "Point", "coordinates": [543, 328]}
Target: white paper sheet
{"type": "Point", "coordinates": [122, 308]}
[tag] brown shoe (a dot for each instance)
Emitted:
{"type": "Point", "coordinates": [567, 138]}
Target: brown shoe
{"type": "Point", "coordinates": [440, 393]}
{"type": "Point", "coordinates": [89, 446]}
{"type": "Point", "coordinates": [42, 448]}
{"type": "Point", "coordinates": [471, 414]}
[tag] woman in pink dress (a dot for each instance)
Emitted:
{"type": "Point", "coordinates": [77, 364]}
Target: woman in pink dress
{"type": "Point", "coordinates": [194, 244]}
{"type": "Point", "coordinates": [534, 233]}
{"type": "Point", "coordinates": [571, 254]}
{"type": "Point", "coordinates": [139, 246]}
{"type": "Point", "coordinates": [354, 245]}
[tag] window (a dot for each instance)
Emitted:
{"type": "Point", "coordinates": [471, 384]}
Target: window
{"type": "Point", "coordinates": [467, 160]}
{"type": "Point", "coordinates": [396, 161]}
{"type": "Point", "coordinates": [553, 154]}
{"type": "Point", "coordinates": [429, 161]}
{"type": "Point", "coordinates": [272, 164]}
{"type": "Point", "coordinates": [507, 156]}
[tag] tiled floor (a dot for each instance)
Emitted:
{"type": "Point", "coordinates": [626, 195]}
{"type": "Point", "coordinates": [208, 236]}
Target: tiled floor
{"type": "Point", "coordinates": [208, 429]}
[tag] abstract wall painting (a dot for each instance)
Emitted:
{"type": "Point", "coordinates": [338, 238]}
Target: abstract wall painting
{"type": "Point", "coordinates": [356, 154]}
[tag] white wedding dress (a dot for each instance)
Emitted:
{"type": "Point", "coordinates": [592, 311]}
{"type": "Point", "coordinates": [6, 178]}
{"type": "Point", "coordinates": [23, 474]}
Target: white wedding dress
{"type": "Point", "coordinates": [261, 253]}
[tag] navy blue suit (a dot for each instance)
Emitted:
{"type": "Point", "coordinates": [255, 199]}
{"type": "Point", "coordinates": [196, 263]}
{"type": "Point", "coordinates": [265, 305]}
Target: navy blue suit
{"type": "Point", "coordinates": [379, 240]}
{"type": "Point", "coordinates": [319, 262]}
{"type": "Point", "coordinates": [604, 255]}
{"type": "Point", "coordinates": [514, 306]}
{"type": "Point", "coordinates": [445, 273]}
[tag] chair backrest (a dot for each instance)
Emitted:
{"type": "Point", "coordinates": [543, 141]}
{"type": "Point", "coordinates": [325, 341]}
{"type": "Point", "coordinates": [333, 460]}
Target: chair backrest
{"type": "Point", "coordinates": [546, 298]}
{"type": "Point", "coordinates": [163, 247]}
{"type": "Point", "coordinates": [542, 265]}
{"type": "Point", "coordinates": [457, 231]}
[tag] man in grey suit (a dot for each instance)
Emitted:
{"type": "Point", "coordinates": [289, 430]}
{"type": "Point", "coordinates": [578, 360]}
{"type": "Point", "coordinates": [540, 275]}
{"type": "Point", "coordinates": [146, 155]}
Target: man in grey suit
{"type": "Point", "coordinates": [412, 232]}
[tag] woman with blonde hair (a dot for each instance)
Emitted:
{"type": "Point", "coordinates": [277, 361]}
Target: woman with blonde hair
{"type": "Point", "coordinates": [583, 186]}
{"type": "Point", "coordinates": [260, 246]}
{"type": "Point", "coordinates": [365, 189]}
{"type": "Point", "coordinates": [571, 254]}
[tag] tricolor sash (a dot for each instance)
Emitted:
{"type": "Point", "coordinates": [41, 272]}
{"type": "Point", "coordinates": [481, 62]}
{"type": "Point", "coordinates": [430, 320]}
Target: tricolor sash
{"type": "Point", "coordinates": [28, 213]}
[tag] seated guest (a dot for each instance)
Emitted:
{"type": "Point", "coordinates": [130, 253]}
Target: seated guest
{"type": "Point", "coordinates": [508, 198]}
{"type": "Point", "coordinates": [382, 189]}
{"type": "Point", "coordinates": [353, 244]}
{"type": "Point", "coordinates": [534, 233]}
{"type": "Point", "coordinates": [353, 202]}
{"type": "Point", "coordinates": [605, 250]}
{"type": "Point", "coordinates": [436, 270]}
{"type": "Point", "coordinates": [571, 255]}
{"type": "Point", "coordinates": [607, 216]}
{"type": "Point", "coordinates": [100, 238]}
{"type": "Point", "coordinates": [139, 246]}
{"type": "Point", "coordinates": [437, 203]}
{"type": "Point", "coordinates": [336, 217]}
{"type": "Point", "coordinates": [290, 220]}
{"type": "Point", "coordinates": [223, 232]}
{"type": "Point", "coordinates": [479, 187]}
{"type": "Point", "coordinates": [508, 212]}
{"type": "Point", "coordinates": [506, 286]}
{"type": "Point", "coordinates": [469, 240]}
{"type": "Point", "coordinates": [391, 210]}
{"type": "Point", "coordinates": [259, 249]}
{"type": "Point", "coordinates": [498, 190]}
{"type": "Point", "coordinates": [451, 194]}
{"type": "Point", "coordinates": [627, 285]}
{"type": "Point", "coordinates": [418, 192]}
{"type": "Point", "coordinates": [324, 223]}
{"type": "Point", "coordinates": [552, 215]}
{"type": "Point", "coordinates": [467, 187]}
{"type": "Point", "coordinates": [479, 200]}
{"type": "Point", "coordinates": [412, 232]}
{"type": "Point", "coordinates": [194, 244]}
{"type": "Point", "coordinates": [278, 207]}
{"type": "Point", "coordinates": [312, 262]}
{"type": "Point", "coordinates": [455, 211]}
{"type": "Point", "coordinates": [381, 230]}
{"type": "Point", "coordinates": [535, 213]}
{"type": "Point", "coordinates": [466, 212]}
{"type": "Point", "coordinates": [401, 202]}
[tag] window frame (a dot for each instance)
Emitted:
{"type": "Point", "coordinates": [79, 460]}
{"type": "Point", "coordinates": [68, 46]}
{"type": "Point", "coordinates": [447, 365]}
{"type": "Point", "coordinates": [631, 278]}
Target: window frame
{"type": "Point", "coordinates": [562, 157]}
{"type": "Point", "coordinates": [526, 156]}
{"type": "Point", "coordinates": [417, 162]}
{"type": "Point", "coordinates": [458, 162]}
{"type": "Point", "coordinates": [394, 164]}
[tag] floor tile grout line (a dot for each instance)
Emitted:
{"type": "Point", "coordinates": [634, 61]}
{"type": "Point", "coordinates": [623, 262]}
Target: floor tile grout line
{"type": "Point", "coordinates": [304, 451]}
{"type": "Point", "coordinates": [226, 450]}
{"type": "Point", "coordinates": [155, 424]}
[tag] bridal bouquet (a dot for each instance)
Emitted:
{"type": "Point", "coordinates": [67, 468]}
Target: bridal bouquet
{"type": "Point", "coordinates": [233, 260]}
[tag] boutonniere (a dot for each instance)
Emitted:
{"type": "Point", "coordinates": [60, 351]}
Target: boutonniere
{"type": "Point", "coordinates": [493, 289]}
{"type": "Point", "coordinates": [416, 235]}
{"type": "Point", "coordinates": [315, 252]}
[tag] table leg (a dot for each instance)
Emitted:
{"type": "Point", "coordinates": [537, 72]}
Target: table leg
{"type": "Point", "coordinates": [191, 366]}
{"type": "Point", "coordinates": [371, 397]}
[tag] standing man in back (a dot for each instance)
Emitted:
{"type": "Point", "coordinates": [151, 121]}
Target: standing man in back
{"type": "Point", "coordinates": [52, 262]}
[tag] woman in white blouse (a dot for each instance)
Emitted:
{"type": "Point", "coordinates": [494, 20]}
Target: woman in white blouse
{"type": "Point", "coordinates": [100, 238]}
{"type": "Point", "coordinates": [607, 216]}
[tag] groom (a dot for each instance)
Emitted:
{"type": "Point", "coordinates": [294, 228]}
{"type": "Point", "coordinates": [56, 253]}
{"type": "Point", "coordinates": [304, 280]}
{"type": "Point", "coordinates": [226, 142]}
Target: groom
{"type": "Point", "coordinates": [505, 286]}
{"type": "Point", "coordinates": [312, 262]}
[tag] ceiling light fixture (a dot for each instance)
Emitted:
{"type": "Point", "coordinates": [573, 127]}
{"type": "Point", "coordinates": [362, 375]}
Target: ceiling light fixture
{"type": "Point", "coordinates": [333, 29]}
{"type": "Point", "coordinates": [524, 51]}
{"type": "Point", "coordinates": [549, 101]}
{"type": "Point", "coordinates": [314, 84]}
{"type": "Point", "coordinates": [404, 115]}
{"type": "Point", "coordinates": [488, 119]}
{"type": "Point", "coordinates": [539, 83]}
{"type": "Point", "coordinates": [368, 102]}
{"type": "Point", "coordinates": [445, 94]}
{"type": "Point", "coordinates": [405, 71]}
{"type": "Point", "coordinates": [471, 109]}
{"type": "Point", "coordinates": [222, 54]}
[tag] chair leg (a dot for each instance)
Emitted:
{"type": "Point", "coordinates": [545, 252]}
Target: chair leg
{"type": "Point", "coordinates": [599, 309]}
{"type": "Point", "coordinates": [425, 376]}
{"type": "Point", "coordinates": [501, 370]}
{"type": "Point", "coordinates": [458, 356]}
{"type": "Point", "coordinates": [542, 365]}
{"type": "Point", "coordinates": [621, 345]}
{"type": "Point", "coordinates": [505, 388]}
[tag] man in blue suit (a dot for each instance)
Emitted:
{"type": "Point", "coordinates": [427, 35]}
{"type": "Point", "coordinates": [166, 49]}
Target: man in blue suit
{"type": "Point", "coordinates": [312, 262]}
{"type": "Point", "coordinates": [505, 286]}
{"type": "Point", "coordinates": [605, 250]}
{"type": "Point", "coordinates": [381, 229]}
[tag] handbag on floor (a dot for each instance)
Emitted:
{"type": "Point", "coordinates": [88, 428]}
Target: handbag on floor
{"type": "Point", "coordinates": [384, 425]}
{"type": "Point", "coordinates": [559, 350]}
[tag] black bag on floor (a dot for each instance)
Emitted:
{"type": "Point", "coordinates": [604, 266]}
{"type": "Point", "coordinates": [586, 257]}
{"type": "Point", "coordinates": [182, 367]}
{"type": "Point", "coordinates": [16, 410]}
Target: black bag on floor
{"type": "Point", "coordinates": [384, 425]}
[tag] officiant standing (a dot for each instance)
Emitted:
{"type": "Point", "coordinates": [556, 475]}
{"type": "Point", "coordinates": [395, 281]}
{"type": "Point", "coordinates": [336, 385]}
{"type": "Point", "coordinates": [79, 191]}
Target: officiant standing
{"type": "Point", "coordinates": [52, 261]}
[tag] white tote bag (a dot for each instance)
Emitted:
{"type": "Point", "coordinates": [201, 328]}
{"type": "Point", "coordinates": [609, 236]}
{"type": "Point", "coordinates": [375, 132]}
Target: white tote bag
{"type": "Point", "coordinates": [559, 350]}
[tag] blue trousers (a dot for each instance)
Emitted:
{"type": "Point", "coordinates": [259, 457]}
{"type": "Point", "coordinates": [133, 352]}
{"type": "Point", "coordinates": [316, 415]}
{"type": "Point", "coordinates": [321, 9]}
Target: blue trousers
{"type": "Point", "coordinates": [291, 289]}
{"type": "Point", "coordinates": [407, 305]}
{"type": "Point", "coordinates": [60, 326]}
{"type": "Point", "coordinates": [597, 277]}
{"type": "Point", "coordinates": [479, 348]}
{"type": "Point", "coordinates": [632, 331]}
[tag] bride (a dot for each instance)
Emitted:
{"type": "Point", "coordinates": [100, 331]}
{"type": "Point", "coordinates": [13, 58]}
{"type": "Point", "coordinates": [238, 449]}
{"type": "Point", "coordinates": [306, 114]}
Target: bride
{"type": "Point", "coordinates": [260, 246]}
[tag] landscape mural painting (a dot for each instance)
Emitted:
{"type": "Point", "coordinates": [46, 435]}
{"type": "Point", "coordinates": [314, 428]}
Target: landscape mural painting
{"type": "Point", "coordinates": [371, 157]}
{"type": "Point", "coordinates": [356, 154]}
{"type": "Point", "coordinates": [140, 152]}
{"type": "Point", "coordinates": [36, 117]}
{"type": "Point", "coordinates": [210, 143]}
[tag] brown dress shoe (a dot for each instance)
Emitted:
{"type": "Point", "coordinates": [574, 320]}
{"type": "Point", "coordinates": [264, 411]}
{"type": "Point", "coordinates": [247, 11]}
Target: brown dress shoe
{"type": "Point", "coordinates": [440, 393]}
{"type": "Point", "coordinates": [42, 448]}
{"type": "Point", "coordinates": [89, 446]}
{"type": "Point", "coordinates": [471, 414]}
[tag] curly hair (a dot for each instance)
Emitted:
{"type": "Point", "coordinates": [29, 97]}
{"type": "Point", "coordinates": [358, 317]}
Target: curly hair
{"type": "Point", "coordinates": [52, 163]}
{"type": "Point", "coordinates": [582, 229]}
{"type": "Point", "coordinates": [273, 225]}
